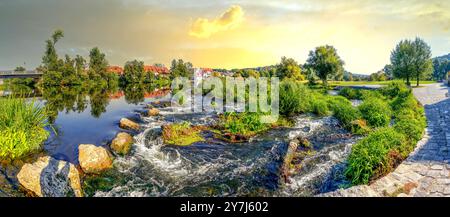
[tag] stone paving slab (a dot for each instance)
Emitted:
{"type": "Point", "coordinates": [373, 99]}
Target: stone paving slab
{"type": "Point", "coordinates": [426, 172]}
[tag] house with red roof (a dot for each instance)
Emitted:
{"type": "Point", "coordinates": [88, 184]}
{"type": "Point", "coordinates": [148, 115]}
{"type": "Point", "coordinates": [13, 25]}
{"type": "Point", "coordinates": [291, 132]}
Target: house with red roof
{"type": "Point", "coordinates": [115, 69]}
{"type": "Point", "coordinates": [157, 70]}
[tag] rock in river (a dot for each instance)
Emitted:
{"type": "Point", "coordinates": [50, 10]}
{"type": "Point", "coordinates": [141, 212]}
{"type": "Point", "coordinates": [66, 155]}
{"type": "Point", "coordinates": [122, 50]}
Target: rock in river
{"type": "Point", "coordinates": [153, 112]}
{"type": "Point", "coordinates": [126, 123]}
{"type": "Point", "coordinates": [48, 177]}
{"type": "Point", "coordinates": [93, 159]}
{"type": "Point", "coordinates": [122, 143]}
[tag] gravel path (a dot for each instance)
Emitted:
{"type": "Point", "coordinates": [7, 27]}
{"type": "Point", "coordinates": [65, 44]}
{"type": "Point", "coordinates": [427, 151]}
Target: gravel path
{"type": "Point", "coordinates": [426, 172]}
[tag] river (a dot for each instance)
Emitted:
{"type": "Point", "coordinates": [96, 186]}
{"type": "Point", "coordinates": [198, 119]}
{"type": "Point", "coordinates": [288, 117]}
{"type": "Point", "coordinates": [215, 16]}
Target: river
{"type": "Point", "coordinates": [210, 168]}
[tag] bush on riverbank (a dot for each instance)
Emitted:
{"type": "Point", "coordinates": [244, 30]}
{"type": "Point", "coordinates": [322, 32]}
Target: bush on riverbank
{"type": "Point", "coordinates": [376, 111]}
{"type": "Point", "coordinates": [350, 93]}
{"type": "Point", "coordinates": [21, 127]}
{"type": "Point", "coordinates": [383, 149]}
{"type": "Point", "coordinates": [296, 98]}
{"type": "Point", "coordinates": [373, 155]}
{"type": "Point", "coordinates": [349, 116]}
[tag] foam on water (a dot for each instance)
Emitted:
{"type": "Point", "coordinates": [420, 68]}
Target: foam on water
{"type": "Point", "coordinates": [222, 169]}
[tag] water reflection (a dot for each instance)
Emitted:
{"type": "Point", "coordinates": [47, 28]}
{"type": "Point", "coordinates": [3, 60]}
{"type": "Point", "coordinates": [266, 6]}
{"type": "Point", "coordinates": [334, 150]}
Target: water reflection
{"type": "Point", "coordinates": [77, 98]}
{"type": "Point", "coordinates": [90, 115]}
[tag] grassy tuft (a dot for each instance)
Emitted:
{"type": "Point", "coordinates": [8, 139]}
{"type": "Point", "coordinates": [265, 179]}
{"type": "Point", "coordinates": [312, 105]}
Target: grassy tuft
{"type": "Point", "coordinates": [21, 127]}
{"type": "Point", "coordinates": [182, 134]}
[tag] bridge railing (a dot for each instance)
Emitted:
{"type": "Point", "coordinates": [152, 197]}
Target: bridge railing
{"type": "Point", "coordinates": [20, 73]}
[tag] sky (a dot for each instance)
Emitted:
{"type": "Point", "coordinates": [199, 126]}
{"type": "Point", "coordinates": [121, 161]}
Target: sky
{"type": "Point", "coordinates": [221, 34]}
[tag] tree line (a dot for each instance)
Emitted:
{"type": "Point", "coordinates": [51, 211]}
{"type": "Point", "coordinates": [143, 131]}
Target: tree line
{"type": "Point", "coordinates": [410, 60]}
{"type": "Point", "coordinates": [69, 71]}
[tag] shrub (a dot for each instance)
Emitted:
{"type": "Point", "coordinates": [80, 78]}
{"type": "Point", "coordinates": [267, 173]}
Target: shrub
{"type": "Point", "coordinates": [394, 89]}
{"type": "Point", "coordinates": [22, 127]}
{"type": "Point", "coordinates": [367, 94]}
{"type": "Point", "coordinates": [413, 130]}
{"type": "Point", "coordinates": [407, 101]}
{"type": "Point", "coordinates": [320, 107]}
{"type": "Point", "coordinates": [373, 155]}
{"type": "Point", "coordinates": [376, 112]}
{"type": "Point", "coordinates": [344, 111]}
{"type": "Point", "coordinates": [246, 123]}
{"type": "Point", "coordinates": [350, 93]}
{"type": "Point", "coordinates": [294, 98]}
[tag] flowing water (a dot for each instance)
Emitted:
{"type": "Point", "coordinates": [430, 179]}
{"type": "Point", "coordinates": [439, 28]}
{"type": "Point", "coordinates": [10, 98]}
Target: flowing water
{"type": "Point", "coordinates": [217, 168]}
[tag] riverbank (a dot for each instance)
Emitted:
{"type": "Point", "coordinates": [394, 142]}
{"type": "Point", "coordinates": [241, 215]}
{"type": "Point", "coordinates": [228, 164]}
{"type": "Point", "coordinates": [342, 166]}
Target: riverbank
{"type": "Point", "coordinates": [426, 172]}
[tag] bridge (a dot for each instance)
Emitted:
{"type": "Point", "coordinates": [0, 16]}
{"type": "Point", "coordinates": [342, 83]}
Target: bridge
{"type": "Point", "coordinates": [25, 74]}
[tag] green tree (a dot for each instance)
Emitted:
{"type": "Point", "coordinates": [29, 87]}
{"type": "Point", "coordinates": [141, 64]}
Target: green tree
{"type": "Point", "coordinates": [411, 59]}
{"type": "Point", "coordinates": [179, 68]}
{"type": "Point", "coordinates": [325, 62]}
{"type": "Point", "coordinates": [50, 58]}
{"type": "Point", "coordinates": [422, 59]}
{"type": "Point", "coordinates": [388, 71]}
{"type": "Point", "coordinates": [289, 68]}
{"type": "Point", "coordinates": [252, 73]}
{"type": "Point", "coordinates": [339, 75]}
{"type": "Point", "coordinates": [68, 72]}
{"type": "Point", "coordinates": [134, 71]}
{"type": "Point", "coordinates": [97, 64]}
{"type": "Point", "coordinates": [80, 65]}
{"type": "Point", "coordinates": [20, 69]}
{"type": "Point", "coordinates": [348, 76]}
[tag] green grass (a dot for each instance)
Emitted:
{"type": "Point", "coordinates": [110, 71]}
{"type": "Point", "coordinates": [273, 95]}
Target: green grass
{"type": "Point", "coordinates": [21, 127]}
{"type": "Point", "coordinates": [182, 134]}
{"type": "Point", "coordinates": [351, 83]}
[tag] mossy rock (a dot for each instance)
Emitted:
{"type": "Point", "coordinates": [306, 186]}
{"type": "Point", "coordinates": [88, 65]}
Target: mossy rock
{"type": "Point", "coordinates": [104, 182]}
{"type": "Point", "coordinates": [182, 134]}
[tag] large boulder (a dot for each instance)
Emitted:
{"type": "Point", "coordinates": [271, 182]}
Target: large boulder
{"type": "Point", "coordinates": [93, 159]}
{"type": "Point", "coordinates": [48, 177]}
{"type": "Point", "coordinates": [126, 123]}
{"type": "Point", "coordinates": [122, 143]}
{"type": "Point", "coordinates": [153, 112]}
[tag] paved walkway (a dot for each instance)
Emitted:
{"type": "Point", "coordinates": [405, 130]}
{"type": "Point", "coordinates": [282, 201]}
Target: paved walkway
{"type": "Point", "coordinates": [426, 172]}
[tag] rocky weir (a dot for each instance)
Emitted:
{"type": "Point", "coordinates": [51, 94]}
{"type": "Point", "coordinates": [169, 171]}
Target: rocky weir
{"type": "Point", "coordinates": [303, 160]}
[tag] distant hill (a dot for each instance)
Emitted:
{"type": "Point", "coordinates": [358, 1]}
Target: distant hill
{"type": "Point", "coordinates": [443, 57]}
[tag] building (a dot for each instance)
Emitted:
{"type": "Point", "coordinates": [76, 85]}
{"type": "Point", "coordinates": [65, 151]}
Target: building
{"type": "Point", "coordinates": [157, 70]}
{"type": "Point", "coordinates": [203, 72]}
{"type": "Point", "coordinates": [200, 74]}
{"type": "Point", "coordinates": [115, 69]}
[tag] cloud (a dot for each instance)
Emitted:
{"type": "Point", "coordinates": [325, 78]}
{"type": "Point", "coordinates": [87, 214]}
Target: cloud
{"type": "Point", "coordinates": [203, 28]}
